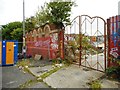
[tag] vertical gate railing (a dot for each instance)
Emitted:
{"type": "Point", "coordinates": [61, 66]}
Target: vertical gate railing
{"type": "Point", "coordinates": [93, 30]}
{"type": "Point", "coordinates": [87, 35]}
{"type": "Point", "coordinates": [72, 41]}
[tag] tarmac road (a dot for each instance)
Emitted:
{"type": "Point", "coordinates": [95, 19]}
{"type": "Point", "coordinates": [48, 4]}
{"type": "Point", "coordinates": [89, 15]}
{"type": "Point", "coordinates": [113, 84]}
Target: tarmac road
{"type": "Point", "coordinates": [12, 77]}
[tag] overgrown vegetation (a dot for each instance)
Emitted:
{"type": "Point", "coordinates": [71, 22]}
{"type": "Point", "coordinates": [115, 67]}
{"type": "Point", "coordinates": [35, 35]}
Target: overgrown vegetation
{"type": "Point", "coordinates": [23, 63]}
{"type": "Point", "coordinates": [72, 48]}
{"type": "Point", "coordinates": [49, 73]}
{"type": "Point", "coordinates": [113, 72]}
{"type": "Point", "coordinates": [65, 62]}
{"type": "Point", "coordinates": [95, 85]}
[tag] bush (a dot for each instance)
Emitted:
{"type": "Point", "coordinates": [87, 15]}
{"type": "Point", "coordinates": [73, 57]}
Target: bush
{"type": "Point", "coordinates": [113, 71]}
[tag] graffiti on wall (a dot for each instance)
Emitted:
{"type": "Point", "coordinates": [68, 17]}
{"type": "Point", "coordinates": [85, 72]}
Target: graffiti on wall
{"type": "Point", "coordinates": [41, 43]}
{"type": "Point", "coordinates": [45, 41]}
{"type": "Point", "coordinates": [115, 37]}
{"type": "Point", "coordinates": [48, 42]}
{"type": "Point", "coordinates": [54, 41]}
{"type": "Point", "coordinates": [114, 51]}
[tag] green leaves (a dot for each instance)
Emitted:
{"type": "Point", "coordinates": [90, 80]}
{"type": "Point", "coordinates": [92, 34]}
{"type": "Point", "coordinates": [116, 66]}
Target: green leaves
{"type": "Point", "coordinates": [55, 12]}
{"type": "Point", "coordinates": [8, 29]}
{"type": "Point", "coordinates": [17, 34]}
{"type": "Point", "coordinates": [60, 11]}
{"type": "Point", "coordinates": [42, 15]}
{"type": "Point", "coordinates": [14, 31]}
{"type": "Point", "coordinates": [30, 23]}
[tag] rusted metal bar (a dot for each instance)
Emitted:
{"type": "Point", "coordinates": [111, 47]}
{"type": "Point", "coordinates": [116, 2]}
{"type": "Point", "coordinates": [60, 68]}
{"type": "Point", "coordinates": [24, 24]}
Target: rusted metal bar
{"type": "Point", "coordinates": [108, 39]}
{"type": "Point", "coordinates": [105, 45]}
{"type": "Point", "coordinates": [80, 38]}
{"type": "Point", "coordinates": [97, 44]}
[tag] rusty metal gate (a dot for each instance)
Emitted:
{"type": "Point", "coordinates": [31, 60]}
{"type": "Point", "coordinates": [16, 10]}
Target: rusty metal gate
{"type": "Point", "coordinates": [85, 42]}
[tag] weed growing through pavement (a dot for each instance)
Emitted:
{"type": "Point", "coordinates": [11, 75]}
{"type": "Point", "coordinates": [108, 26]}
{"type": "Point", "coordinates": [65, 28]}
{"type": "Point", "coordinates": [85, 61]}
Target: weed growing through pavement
{"type": "Point", "coordinates": [95, 85]}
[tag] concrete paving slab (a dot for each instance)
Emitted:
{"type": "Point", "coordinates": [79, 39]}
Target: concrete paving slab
{"type": "Point", "coordinates": [72, 77]}
{"type": "Point", "coordinates": [37, 63]}
{"type": "Point", "coordinates": [105, 83]}
{"type": "Point", "coordinates": [38, 85]}
{"type": "Point", "coordinates": [37, 71]}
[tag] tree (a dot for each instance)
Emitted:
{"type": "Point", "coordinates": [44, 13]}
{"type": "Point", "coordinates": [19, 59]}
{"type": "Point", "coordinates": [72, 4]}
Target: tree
{"type": "Point", "coordinates": [8, 28]}
{"type": "Point", "coordinates": [17, 34]}
{"type": "Point", "coordinates": [13, 31]}
{"type": "Point", "coordinates": [42, 16]}
{"type": "Point", "coordinates": [57, 12]}
{"type": "Point", "coordinates": [30, 23]}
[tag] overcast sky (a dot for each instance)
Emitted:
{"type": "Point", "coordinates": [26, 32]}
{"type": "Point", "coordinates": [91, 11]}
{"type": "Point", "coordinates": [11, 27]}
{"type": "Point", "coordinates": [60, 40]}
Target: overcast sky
{"type": "Point", "coordinates": [11, 10]}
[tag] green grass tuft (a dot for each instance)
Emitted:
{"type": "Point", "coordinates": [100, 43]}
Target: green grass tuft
{"type": "Point", "coordinates": [95, 85]}
{"type": "Point", "coordinates": [49, 73]}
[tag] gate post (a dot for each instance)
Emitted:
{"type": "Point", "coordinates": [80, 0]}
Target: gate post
{"type": "Point", "coordinates": [108, 37]}
{"type": "Point", "coordinates": [61, 43]}
{"type": "Point", "coordinates": [105, 44]}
